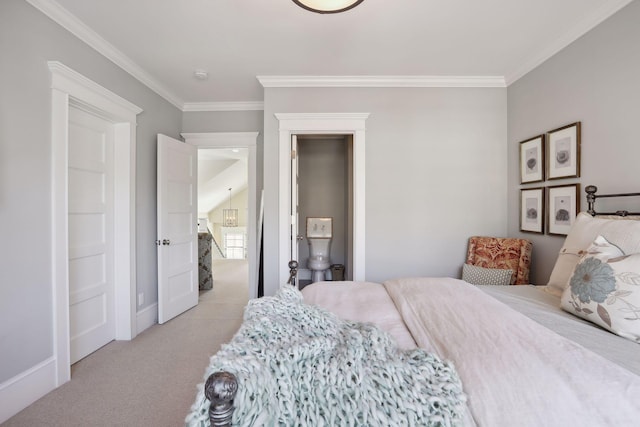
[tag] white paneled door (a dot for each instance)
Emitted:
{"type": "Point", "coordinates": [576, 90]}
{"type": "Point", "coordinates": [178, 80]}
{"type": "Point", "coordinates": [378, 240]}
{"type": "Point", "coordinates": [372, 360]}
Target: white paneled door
{"type": "Point", "coordinates": [177, 227]}
{"type": "Point", "coordinates": [91, 233]}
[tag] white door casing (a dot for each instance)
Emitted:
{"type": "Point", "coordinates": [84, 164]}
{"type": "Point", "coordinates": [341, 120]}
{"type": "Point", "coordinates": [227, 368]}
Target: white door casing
{"type": "Point", "coordinates": [70, 88]}
{"type": "Point", "coordinates": [322, 123]}
{"type": "Point", "coordinates": [91, 233]}
{"type": "Point", "coordinates": [177, 227]}
{"type": "Point", "coordinates": [246, 140]}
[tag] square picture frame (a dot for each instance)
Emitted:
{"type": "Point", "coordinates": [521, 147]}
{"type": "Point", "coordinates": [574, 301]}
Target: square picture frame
{"type": "Point", "coordinates": [564, 204]}
{"type": "Point", "coordinates": [563, 152]}
{"type": "Point", "coordinates": [532, 164]}
{"type": "Point", "coordinates": [532, 210]}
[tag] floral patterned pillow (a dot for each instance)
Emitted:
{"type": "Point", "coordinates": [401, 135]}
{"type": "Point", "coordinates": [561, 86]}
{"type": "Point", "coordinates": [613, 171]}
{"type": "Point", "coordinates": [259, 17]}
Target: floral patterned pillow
{"type": "Point", "coordinates": [605, 289]}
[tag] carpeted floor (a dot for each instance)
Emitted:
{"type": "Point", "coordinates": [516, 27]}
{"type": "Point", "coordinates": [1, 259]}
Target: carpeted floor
{"type": "Point", "coordinates": [149, 381]}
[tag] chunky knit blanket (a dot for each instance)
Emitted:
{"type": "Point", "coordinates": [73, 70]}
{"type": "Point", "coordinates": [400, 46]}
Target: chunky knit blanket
{"type": "Point", "coordinates": [299, 365]}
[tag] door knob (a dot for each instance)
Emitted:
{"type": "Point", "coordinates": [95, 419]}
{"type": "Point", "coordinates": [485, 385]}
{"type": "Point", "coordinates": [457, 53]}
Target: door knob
{"type": "Point", "coordinates": [166, 241]}
{"type": "Point", "coordinates": [300, 237]}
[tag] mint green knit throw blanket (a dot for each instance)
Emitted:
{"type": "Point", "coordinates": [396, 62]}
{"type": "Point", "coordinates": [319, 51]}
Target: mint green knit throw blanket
{"type": "Point", "coordinates": [299, 365]}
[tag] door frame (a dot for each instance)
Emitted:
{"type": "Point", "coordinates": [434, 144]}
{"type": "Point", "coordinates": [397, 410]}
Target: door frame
{"type": "Point", "coordinates": [322, 123]}
{"type": "Point", "coordinates": [246, 140]}
{"type": "Point", "coordinates": [69, 88]}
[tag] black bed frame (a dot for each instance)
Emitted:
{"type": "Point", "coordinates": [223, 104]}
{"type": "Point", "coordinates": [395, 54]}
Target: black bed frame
{"type": "Point", "coordinates": [592, 196]}
{"type": "Point", "coordinates": [221, 387]}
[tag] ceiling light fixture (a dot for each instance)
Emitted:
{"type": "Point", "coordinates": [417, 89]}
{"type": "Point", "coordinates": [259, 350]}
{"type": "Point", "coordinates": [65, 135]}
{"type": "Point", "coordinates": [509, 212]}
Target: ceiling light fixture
{"type": "Point", "coordinates": [328, 6]}
{"type": "Point", "coordinates": [230, 216]}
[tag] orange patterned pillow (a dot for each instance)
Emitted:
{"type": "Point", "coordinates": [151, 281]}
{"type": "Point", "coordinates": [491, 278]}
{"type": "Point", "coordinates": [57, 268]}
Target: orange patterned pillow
{"type": "Point", "coordinates": [502, 253]}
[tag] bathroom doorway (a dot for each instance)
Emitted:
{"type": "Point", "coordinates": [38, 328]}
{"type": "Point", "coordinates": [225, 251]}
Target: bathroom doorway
{"type": "Point", "coordinates": [325, 189]}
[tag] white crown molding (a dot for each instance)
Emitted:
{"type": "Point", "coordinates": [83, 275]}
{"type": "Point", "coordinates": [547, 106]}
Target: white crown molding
{"type": "Point", "coordinates": [224, 106]}
{"type": "Point", "coordinates": [574, 33]}
{"type": "Point", "coordinates": [79, 29]}
{"type": "Point", "coordinates": [381, 81]}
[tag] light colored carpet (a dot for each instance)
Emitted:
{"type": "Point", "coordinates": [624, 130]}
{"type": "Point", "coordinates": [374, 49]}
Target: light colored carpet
{"type": "Point", "coordinates": [149, 381]}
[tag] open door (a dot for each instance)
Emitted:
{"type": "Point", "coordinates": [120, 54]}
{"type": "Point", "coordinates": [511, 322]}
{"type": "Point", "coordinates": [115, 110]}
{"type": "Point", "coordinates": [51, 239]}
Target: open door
{"type": "Point", "coordinates": [295, 237]}
{"type": "Point", "coordinates": [177, 227]}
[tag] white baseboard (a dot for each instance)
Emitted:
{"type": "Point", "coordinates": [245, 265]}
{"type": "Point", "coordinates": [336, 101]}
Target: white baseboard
{"type": "Point", "coordinates": [27, 387]}
{"type": "Point", "coordinates": [147, 317]}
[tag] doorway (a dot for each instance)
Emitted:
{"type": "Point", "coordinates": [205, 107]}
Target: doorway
{"type": "Point", "coordinates": [223, 195]}
{"type": "Point", "coordinates": [70, 89]}
{"type": "Point", "coordinates": [325, 124]}
{"type": "Point", "coordinates": [230, 141]}
{"type": "Point", "coordinates": [325, 187]}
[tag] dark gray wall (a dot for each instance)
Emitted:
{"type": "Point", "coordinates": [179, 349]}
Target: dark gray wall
{"type": "Point", "coordinates": [595, 80]}
{"type": "Point", "coordinates": [28, 39]}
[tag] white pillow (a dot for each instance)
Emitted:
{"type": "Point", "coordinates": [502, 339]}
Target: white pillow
{"type": "Point", "coordinates": [624, 233]}
{"type": "Point", "coordinates": [605, 289]}
{"type": "Point", "coordinates": [485, 276]}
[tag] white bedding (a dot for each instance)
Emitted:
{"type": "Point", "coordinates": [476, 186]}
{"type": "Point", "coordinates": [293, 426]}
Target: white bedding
{"type": "Point", "coordinates": [545, 309]}
{"type": "Point", "coordinates": [515, 371]}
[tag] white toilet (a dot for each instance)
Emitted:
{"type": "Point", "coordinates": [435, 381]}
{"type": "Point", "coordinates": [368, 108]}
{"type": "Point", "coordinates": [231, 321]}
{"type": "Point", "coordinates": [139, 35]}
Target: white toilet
{"type": "Point", "coordinates": [319, 234]}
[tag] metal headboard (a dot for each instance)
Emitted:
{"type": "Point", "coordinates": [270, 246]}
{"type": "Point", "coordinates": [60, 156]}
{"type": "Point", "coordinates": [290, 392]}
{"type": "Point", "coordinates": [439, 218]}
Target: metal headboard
{"type": "Point", "coordinates": [592, 196]}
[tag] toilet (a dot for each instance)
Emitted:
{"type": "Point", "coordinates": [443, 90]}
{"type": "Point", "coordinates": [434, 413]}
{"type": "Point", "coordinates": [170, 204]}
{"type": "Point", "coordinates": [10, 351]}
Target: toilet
{"type": "Point", "coordinates": [319, 234]}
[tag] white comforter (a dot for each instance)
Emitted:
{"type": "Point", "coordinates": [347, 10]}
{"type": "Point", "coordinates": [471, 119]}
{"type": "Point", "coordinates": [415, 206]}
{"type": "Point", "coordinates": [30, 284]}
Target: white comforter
{"type": "Point", "coordinates": [515, 372]}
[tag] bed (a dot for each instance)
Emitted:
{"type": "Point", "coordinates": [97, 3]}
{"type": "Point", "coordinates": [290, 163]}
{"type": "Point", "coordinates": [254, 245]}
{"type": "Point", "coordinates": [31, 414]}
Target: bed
{"type": "Point", "coordinates": [440, 351]}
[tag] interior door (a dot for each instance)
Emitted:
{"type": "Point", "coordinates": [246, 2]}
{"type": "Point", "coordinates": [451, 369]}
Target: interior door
{"type": "Point", "coordinates": [91, 233]}
{"type": "Point", "coordinates": [294, 202]}
{"type": "Point", "coordinates": [177, 227]}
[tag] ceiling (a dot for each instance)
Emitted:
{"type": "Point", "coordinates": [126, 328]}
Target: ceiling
{"type": "Point", "coordinates": [163, 42]}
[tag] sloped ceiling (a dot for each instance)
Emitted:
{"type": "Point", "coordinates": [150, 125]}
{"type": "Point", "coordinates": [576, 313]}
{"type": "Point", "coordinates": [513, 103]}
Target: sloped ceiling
{"type": "Point", "coordinates": [219, 170]}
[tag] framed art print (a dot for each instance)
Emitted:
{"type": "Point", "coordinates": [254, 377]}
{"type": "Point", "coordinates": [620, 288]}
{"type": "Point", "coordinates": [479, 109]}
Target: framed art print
{"type": "Point", "coordinates": [532, 160]}
{"type": "Point", "coordinates": [564, 204]}
{"type": "Point", "coordinates": [532, 210]}
{"type": "Point", "coordinates": [563, 152]}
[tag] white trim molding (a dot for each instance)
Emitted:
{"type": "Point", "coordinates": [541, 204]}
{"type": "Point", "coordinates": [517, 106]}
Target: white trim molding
{"type": "Point", "coordinates": [22, 390]}
{"type": "Point", "coordinates": [382, 81]}
{"type": "Point", "coordinates": [322, 123]}
{"type": "Point", "coordinates": [146, 318]}
{"type": "Point", "coordinates": [70, 88]}
{"type": "Point", "coordinates": [75, 26]}
{"type": "Point", "coordinates": [247, 140]}
{"type": "Point", "coordinates": [223, 106]}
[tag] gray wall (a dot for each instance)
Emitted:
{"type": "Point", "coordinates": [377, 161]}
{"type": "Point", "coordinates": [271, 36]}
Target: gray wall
{"type": "Point", "coordinates": [28, 39]}
{"type": "Point", "coordinates": [595, 80]}
{"type": "Point", "coordinates": [435, 173]}
{"type": "Point", "coordinates": [323, 188]}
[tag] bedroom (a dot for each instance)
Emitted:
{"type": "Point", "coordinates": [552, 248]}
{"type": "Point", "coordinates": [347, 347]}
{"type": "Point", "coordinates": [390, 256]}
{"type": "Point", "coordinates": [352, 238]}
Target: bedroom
{"type": "Point", "coordinates": [594, 80]}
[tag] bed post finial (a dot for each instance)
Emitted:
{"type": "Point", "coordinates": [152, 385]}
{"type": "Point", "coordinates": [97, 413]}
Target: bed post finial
{"type": "Point", "coordinates": [591, 198]}
{"type": "Point", "coordinates": [220, 388]}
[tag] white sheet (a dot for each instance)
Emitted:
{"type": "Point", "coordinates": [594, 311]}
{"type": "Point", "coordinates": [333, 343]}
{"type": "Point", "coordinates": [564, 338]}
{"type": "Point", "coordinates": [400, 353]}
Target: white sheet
{"type": "Point", "coordinates": [361, 302]}
{"type": "Point", "coordinates": [545, 309]}
{"type": "Point", "coordinates": [515, 371]}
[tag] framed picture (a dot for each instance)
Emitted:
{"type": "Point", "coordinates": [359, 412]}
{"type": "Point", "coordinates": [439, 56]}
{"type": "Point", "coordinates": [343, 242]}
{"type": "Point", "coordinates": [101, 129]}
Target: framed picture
{"type": "Point", "coordinates": [532, 160]}
{"type": "Point", "coordinates": [563, 152]}
{"type": "Point", "coordinates": [532, 210]}
{"type": "Point", "coordinates": [564, 204]}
